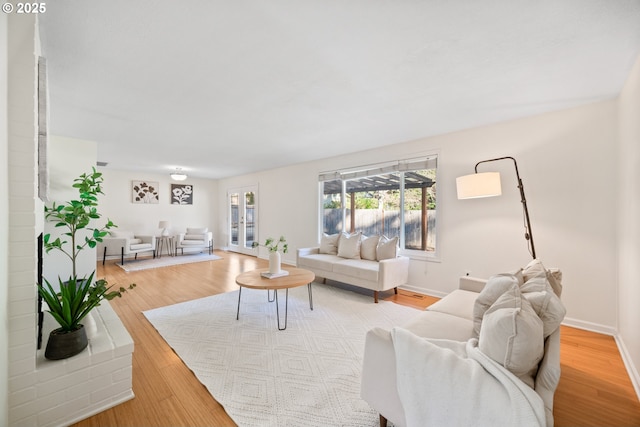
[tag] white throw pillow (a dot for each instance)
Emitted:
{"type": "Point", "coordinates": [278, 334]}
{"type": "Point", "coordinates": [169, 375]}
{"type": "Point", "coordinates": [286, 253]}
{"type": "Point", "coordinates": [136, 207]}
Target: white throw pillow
{"type": "Point", "coordinates": [368, 248]}
{"type": "Point", "coordinates": [121, 234]}
{"type": "Point", "coordinates": [329, 244]}
{"type": "Point", "coordinates": [199, 230]}
{"type": "Point", "coordinates": [545, 303]}
{"type": "Point", "coordinates": [493, 289]}
{"type": "Point", "coordinates": [512, 334]}
{"type": "Point", "coordinates": [387, 248]}
{"type": "Point", "coordinates": [349, 246]}
{"type": "Point", "coordinates": [194, 237]}
{"type": "Point", "coordinates": [536, 269]}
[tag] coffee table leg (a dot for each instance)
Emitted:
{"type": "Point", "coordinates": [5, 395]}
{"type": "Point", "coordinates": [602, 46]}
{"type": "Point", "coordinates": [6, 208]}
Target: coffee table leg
{"type": "Point", "coordinates": [286, 308]}
{"type": "Point", "coordinates": [310, 297]}
{"type": "Point", "coordinates": [238, 312]}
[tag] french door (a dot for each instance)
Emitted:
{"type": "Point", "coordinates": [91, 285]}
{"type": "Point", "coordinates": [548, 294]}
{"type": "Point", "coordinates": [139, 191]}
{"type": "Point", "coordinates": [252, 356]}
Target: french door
{"type": "Point", "coordinates": [243, 219]}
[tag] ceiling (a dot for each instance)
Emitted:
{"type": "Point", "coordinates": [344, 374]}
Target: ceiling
{"type": "Point", "coordinates": [221, 88]}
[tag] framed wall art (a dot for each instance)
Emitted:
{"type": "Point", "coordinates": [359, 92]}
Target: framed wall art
{"type": "Point", "coordinates": [145, 192]}
{"type": "Point", "coordinates": [181, 194]}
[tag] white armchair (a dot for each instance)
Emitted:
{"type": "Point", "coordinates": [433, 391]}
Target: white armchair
{"type": "Point", "coordinates": [125, 243]}
{"type": "Point", "coordinates": [195, 238]}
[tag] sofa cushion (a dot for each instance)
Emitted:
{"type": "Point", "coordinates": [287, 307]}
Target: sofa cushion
{"type": "Point", "coordinates": [495, 287]}
{"type": "Point", "coordinates": [141, 247]}
{"type": "Point", "coordinates": [319, 261]}
{"type": "Point", "coordinates": [368, 247]}
{"type": "Point", "coordinates": [361, 268]}
{"type": "Point", "coordinates": [349, 246]}
{"type": "Point", "coordinates": [434, 324]}
{"type": "Point", "coordinates": [197, 230]}
{"type": "Point", "coordinates": [329, 244]}
{"type": "Point", "coordinates": [135, 241]}
{"type": "Point", "coordinates": [387, 248]}
{"type": "Point", "coordinates": [199, 242]}
{"type": "Point", "coordinates": [545, 303]}
{"type": "Point", "coordinates": [199, 237]}
{"type": "Point", "coordinates": [458, 303]}
{"type": "Point", "coordinates": [121, 233]}
{"type": "Point", "coordinates": [512, 334]}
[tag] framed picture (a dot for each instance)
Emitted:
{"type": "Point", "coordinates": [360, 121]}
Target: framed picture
{"type": "Point", "coordinates": [181, 194]}
{"type": "Point", "coordinates": [145, 192]}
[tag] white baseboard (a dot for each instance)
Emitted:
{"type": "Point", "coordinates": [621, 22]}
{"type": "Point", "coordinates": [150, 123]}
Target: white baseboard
{"type": "Point", "coordinates": [589, 326]}
{"type": "Point", "coordinates": [628, 363]}
{"type": "Point", "coordinates": [423, 291]}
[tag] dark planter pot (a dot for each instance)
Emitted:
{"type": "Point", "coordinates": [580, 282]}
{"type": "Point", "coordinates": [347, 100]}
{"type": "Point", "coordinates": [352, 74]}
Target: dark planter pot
{"type": "Point", "coordinates": [63, 344]}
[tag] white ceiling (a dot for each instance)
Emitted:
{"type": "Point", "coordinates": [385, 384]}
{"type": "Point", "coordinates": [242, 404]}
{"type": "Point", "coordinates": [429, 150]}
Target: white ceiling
{"type": "Point", "coordinates": [225, 87]}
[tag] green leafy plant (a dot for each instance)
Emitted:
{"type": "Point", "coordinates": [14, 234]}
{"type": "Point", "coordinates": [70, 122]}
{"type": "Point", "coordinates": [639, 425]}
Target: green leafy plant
{"type": "Point", "coordinates": [77, 297]}
{"type": "Point", "coordinates": [274, 245]}
{"type": "Point", "coordinates": [76, 215]}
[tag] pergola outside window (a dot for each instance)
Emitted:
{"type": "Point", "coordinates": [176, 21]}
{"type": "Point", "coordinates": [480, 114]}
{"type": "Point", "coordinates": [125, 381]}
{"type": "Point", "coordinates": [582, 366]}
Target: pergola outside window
{"type": "Point", "coordinates": [399, 200]}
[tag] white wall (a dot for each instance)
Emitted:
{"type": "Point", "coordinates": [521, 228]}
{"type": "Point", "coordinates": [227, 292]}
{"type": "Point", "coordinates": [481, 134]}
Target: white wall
{"type": "Point", "coordinates": [566, 160]}
{"type": "Point", "coordinates": [117, 203]}
{"type": "Point", "coordinates": [4, 226]}
{"type": "Point", "coordinates": [628, 216]}
{"type": "Point", "coordinates": [68, 159]}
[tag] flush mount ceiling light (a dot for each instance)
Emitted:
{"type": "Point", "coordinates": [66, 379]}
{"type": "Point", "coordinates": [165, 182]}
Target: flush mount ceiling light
{"type": "Point", "coordinates": [178, 175]}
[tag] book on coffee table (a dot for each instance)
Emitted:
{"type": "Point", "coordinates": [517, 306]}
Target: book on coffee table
{"type": "Point", "coordinates": [280, 273]}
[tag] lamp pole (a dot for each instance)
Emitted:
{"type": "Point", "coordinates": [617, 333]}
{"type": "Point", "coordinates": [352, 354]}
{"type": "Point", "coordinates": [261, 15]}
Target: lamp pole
{"type": "Point", "coordinates": [528, 234]}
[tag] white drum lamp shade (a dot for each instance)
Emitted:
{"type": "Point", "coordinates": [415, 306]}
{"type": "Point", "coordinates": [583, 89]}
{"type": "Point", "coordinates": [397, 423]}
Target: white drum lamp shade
{"type": "Point", "coordinates": [165, 227]}
{"type": "Point", "coordinates": [486, 184]}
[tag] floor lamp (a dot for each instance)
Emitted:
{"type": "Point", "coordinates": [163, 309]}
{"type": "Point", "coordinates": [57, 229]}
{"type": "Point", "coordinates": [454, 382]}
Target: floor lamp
{"type": "Point", "coordinates": [487, 184]}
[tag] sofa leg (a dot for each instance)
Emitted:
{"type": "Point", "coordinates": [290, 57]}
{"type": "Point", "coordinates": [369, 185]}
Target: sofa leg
{"type": "Point", "coordinates": [104, 255]}
{"type": "Point", "coordinates": [395, 290]}
{"type": "Point", "coordinates": [383, 421]}
{"type": "Point", "coordinates": [375, 296]}
{"type": "Point", "coordinates": [122, 256]}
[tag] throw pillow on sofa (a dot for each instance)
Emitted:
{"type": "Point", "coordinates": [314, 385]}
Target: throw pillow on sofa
{"type": "Point", "coordinates": [545, 303]}
{"type": "Point", "coordinates": [512, 334]}
{"type": "Point", "coordinates": [329, 244]}
{"type": "Point", "coordinates": [494, 288]}
{"type": "Point", "coordinates": [349, 246]}
{"type": "Point", "coordinates": [536, 269]}
{"type": "Point", "coordinates": [368, 248]}
{"type": "Point", "coordinates": [387, 248]}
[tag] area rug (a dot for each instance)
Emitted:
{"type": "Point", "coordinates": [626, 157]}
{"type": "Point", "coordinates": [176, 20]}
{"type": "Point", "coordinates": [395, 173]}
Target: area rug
{"type": "Point", "coordinates": [166, 261]}
{"type": "Point", "coordinates": [307, 375]}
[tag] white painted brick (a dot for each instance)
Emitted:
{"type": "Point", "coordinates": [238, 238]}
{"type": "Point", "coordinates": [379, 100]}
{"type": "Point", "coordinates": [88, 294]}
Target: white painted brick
{"type": "Point", "coordinates": [124, 374]}
{"type": "Point", "coordinates": [100, 382]}
{"type": "Point", "coordinates": [63, 382]}
{"type": "Point", "coordinates": [106, 394]}
{"type": "Point", "coordinates": [20, 382]}
{"type": "Point", "coordinates": [109, 366]}
{"type": "Point", "coordinates": [19, 414]}
{"type": "Point", "coordinates": [20, 338]}
{"type": "Point", "coordinates": [20, 292]}
{"type": "Point", "coordinates": [19, 308]}
{"type": "Point", "coordinates": [22, 204]}
{"type": "Point", "coordinates": [48, 401]}
{"type": "Point", "coordinates": [29, 421]}
{"type": "Point", "coordinates": [24, 322]}
{"type": "Point", "coordinates": [21, 367]}
{"type": "Point", "coordinates": [23, 396]}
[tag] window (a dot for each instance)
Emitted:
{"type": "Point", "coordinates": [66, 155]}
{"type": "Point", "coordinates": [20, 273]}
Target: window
{"type": "Point", "coordinates": [394, 199]}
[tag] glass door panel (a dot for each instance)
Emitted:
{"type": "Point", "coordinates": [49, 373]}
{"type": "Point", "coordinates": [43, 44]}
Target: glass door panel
{"type": "Point", "coordinates": [243, 220]}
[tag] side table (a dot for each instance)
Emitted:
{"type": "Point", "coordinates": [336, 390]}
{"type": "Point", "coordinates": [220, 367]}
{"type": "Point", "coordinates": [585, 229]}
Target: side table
{"type": "Point", "coordinates": [167, 242]}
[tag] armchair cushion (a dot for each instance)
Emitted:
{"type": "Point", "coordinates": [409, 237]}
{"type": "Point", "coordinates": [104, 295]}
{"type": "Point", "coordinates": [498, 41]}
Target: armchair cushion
{"type": "Point", "coordinates": [197, 230]}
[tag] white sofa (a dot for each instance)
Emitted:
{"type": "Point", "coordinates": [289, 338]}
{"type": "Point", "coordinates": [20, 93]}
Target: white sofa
{"type": "Point", "coordinates": [486, 354]}
{"type": "Point", "coordinates": [367, 262]}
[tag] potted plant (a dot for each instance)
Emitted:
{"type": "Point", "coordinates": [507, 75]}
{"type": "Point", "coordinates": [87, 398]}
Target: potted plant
{"type": "Point", "coordinates": [274, 255]}
{"type": "Point", "coordinates": [77, 296]}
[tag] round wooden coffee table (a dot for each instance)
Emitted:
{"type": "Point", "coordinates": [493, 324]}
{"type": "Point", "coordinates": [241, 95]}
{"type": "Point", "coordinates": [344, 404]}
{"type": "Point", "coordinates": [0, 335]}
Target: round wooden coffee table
{"type": "Point", "coordinates": [254, 280]}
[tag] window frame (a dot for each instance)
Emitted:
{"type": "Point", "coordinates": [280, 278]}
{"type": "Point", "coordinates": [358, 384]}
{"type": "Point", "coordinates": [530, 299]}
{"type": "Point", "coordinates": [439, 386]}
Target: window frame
{"type": "Point", "coordinates": [428, 161]}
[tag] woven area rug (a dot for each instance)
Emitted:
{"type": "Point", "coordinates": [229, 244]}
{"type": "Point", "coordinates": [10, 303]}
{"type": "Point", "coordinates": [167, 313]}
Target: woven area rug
{"type": "Point", "coordinates": [306, 375]}
{"type": "Point", "coordinates": [165, 261]}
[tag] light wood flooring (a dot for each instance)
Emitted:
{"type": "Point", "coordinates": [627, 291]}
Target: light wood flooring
{"type": "Point", "coordinates": [594, 389]}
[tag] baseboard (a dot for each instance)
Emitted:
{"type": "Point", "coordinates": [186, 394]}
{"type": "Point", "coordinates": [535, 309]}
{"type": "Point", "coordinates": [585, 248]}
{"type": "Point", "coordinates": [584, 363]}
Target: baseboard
{"type": "Point", "coordinates": [423, 291]}
{"type": "Point", "coordinates": [589, 326]}
{"type": "Point", "coordinates": [628, 363]}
